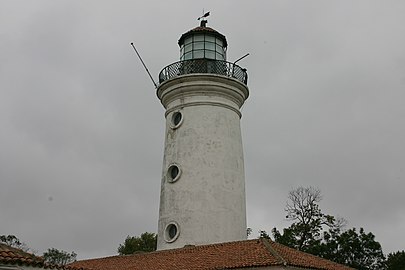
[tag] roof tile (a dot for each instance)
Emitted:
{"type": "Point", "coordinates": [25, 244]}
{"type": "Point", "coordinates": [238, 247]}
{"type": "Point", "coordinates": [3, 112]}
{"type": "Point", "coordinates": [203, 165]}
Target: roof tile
{"type": "Point", "coordinates": [231, 255]}
{"type": "Point", "coordinates": [15, 256]}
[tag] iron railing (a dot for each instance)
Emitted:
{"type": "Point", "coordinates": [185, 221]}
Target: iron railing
{"type": "Point", "coordinates": [203, 66]}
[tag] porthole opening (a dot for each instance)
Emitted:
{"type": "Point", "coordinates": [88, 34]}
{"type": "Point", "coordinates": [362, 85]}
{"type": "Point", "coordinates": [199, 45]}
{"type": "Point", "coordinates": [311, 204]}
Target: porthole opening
{"type": "Point", "coordinates": [177, 119]}
{"type": "Point", "coordinates": [173, 173]}
{"type": "Point", "coordinates": [171, 232]}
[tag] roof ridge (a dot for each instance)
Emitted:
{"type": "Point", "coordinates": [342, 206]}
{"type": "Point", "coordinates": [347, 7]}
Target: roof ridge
{"type": "Point", "coordinates": [267, 244]}
{"type": "Point", "coordinates": [204, 246]}
{"type": "Point", "coordinates": [291, 263]}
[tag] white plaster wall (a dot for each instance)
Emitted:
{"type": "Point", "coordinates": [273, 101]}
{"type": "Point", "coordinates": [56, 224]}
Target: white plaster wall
{"type": "Point", "coordinates": [208, 200]}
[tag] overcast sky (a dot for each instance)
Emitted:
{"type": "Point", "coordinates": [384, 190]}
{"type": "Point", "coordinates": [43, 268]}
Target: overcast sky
{"type": "Point", "coordinates": [82, 131]}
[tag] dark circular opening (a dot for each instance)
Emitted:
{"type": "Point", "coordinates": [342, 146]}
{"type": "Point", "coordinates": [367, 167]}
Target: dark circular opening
{"type": "Point", "coordinates": [177, 118]}
{"type": "Point", "coordinates": [172, 230]}
{"type": "Point", "coordinates": [173, 173]}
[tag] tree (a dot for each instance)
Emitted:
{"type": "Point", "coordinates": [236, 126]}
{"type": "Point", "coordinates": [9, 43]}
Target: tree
{"type": "Point", "coordinates": [146, 242]}
{"type": "Point", "coordinates": [264, 234]}
{"type": "Point", "coordinates": [309, 222]}
{"type": "Point", "coordinates": [357, 250]}
{"type": "Point", "coordinates": [13, 241]}
{"type": "Point", "coordinates": [59, 257]}
{"type": "Point", "coordinates": [321, 234]}
{"type": "Point", "coordinates": [396, 261]}
{"type": "Point", "coordinates": [51, 256]}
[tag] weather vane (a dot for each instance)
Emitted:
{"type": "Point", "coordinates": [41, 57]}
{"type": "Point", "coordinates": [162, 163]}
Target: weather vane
{"type": "Point", "coordinates": [204, 16]}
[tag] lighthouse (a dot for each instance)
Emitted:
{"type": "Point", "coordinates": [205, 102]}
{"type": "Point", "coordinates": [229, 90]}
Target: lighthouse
{"type": "Point", "coordinates": [202, 199]}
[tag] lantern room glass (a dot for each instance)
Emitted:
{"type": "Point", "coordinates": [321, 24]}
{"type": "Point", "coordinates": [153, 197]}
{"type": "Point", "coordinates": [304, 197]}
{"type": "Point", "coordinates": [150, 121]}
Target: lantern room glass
{"type": "Point", "coordinates": [203, 45]}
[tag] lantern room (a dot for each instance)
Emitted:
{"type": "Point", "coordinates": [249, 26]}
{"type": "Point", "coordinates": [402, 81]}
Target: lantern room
{"type": "Point", "coordinates": [203, 50]}
{"type": "Point", "coordinates": [203, 42]}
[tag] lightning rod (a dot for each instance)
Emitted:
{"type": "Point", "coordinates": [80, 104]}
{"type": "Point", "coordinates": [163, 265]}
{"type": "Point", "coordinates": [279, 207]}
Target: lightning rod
{"type": "Point", "coordinates": [140, 58]}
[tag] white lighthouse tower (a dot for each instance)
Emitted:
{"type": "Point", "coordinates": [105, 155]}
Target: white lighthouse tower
{"type": "Point", "coordinates": [202, 198]}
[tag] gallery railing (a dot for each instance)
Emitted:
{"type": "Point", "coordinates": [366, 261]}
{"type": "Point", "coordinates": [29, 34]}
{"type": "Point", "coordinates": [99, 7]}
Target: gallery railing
{"type": "Point", "coordinates": [203, 66]}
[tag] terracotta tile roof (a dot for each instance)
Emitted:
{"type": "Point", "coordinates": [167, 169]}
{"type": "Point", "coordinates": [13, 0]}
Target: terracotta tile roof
{"type": "Point", "coordinates": [10, 255]}
{"type": "Point", "coordinates": [14, 256]}
{"type": "Point", "coordinates": [231, 255]}
{"type": "Point", "coordinates": [301, 259]}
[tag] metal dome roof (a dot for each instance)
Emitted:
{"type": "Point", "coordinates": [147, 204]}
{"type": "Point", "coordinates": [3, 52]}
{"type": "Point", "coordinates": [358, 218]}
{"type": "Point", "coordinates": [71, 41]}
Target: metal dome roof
{"type": "Point", "coordinates": [202, 29]}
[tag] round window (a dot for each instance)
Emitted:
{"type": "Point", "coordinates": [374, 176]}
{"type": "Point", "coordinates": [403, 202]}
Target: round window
{"type": "Point", "coordinates": [171, 232]}
{"type": "Point", "coordinates": [173, 173]}
{"type": "Point", "coordinates": [177, 119]}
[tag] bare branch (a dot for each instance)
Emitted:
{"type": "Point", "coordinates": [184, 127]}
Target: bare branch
{"type": "Point", "coordinates": [302, 204]}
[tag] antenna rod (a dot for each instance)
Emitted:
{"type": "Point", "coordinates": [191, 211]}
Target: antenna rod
{"type": "Point", "coordinates": [241, 58]}
{"type": "Point", "coordinates": [140, 58]}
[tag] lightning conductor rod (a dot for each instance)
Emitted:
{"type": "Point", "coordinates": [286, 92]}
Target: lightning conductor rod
{"type": "Point", "coordinates": [240, 58]}
{"type": "Point", "coordinates": [140, 58]}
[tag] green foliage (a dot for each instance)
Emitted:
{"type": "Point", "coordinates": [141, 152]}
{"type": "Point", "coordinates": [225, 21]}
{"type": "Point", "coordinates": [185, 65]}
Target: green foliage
{"type": "Point", "coordinates": [357, 250]}
{"type": "Point", "coordinates": [59, 257]}
{"type": "Point", "coordinates": [51, 256]}
{"type": "Point", "coordinates": [10, 240]}
{"type": "Point", "coordinates": [13, 241]}
{"type": "Point", "coordinates": [286, 238]}
{"type": "Point", "coordinates": [396, 261]}
{"type": "Point", "coordinates": [264, 234]}
{"type": "Point", "coordinates": [146, 242]}
{"type": "Point", "coordinates": [320, 234]}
